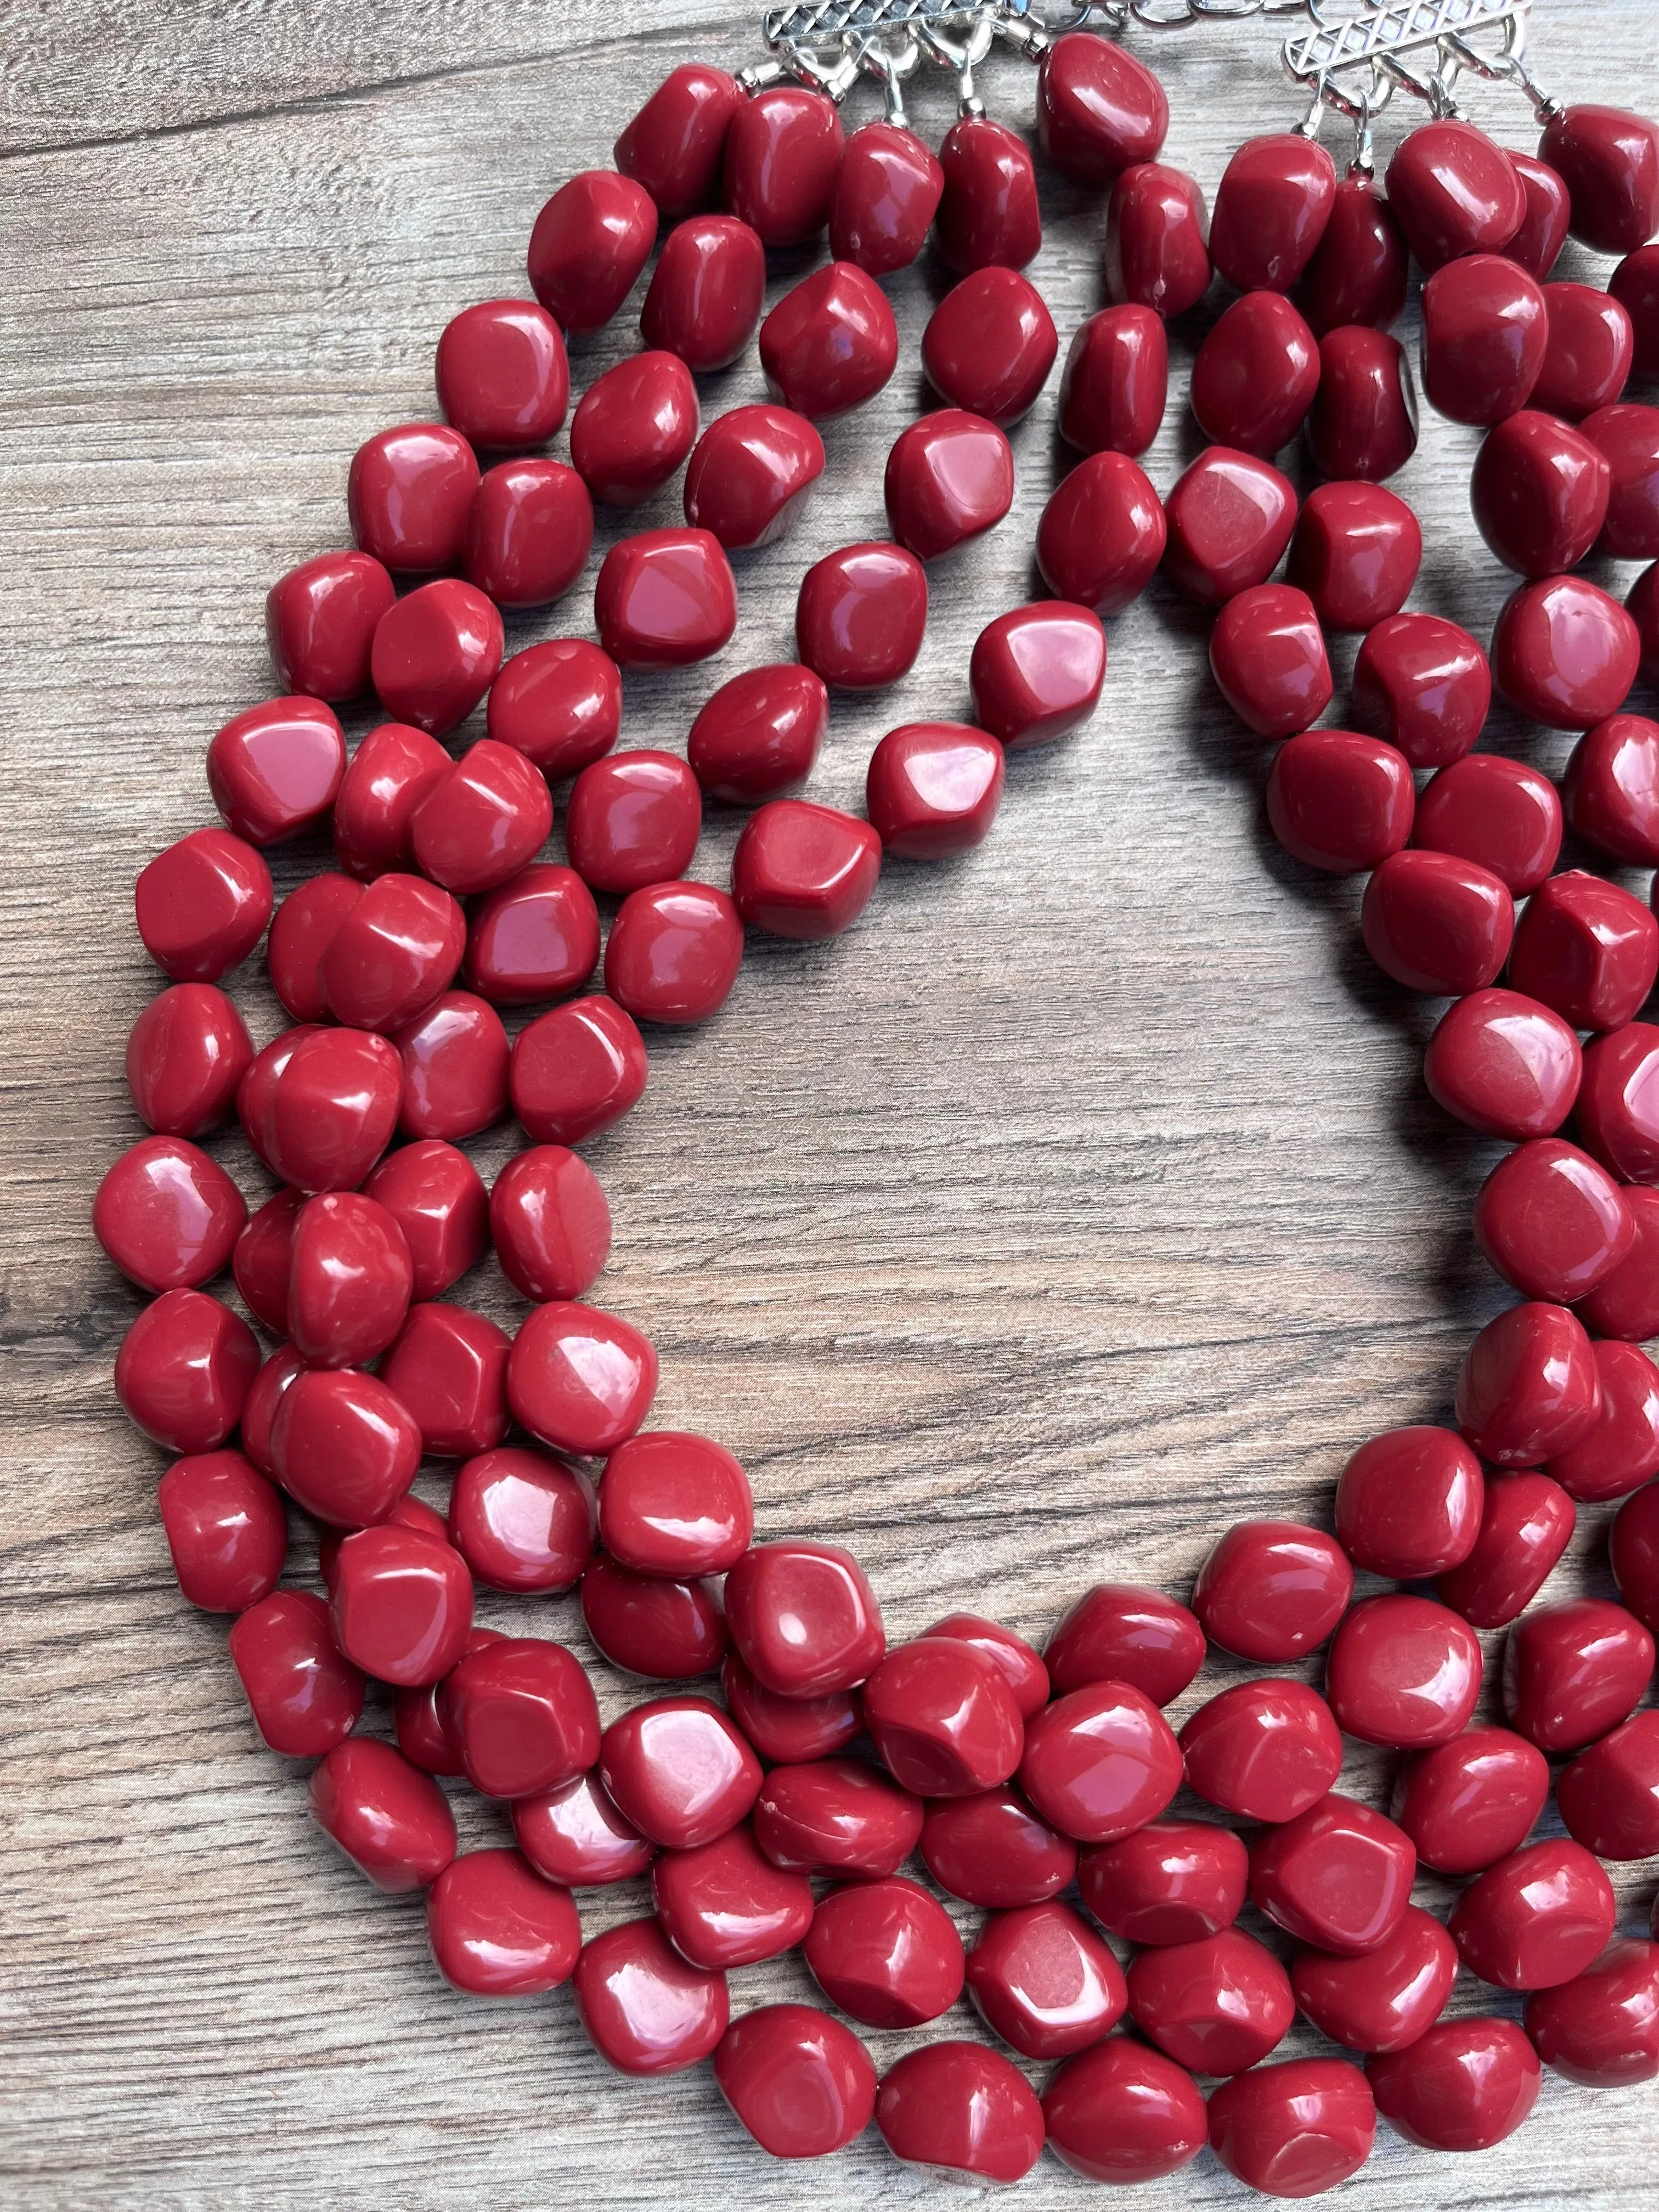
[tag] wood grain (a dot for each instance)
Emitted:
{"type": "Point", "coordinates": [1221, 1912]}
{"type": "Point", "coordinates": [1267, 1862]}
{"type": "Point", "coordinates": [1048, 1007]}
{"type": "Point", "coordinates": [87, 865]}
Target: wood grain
{"type": "Point", "coordinates": [1086, 1196]}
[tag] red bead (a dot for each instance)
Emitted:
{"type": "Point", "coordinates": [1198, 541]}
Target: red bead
{"type": "Point", "coordinates": [1268, 655]}
{"type": "Point", "coordinates": [349, 1278]}
{"type": "Point", "coordinates": [1099, 110]}
{"type": "Point", "coordinates": [674, 146]}
{"type": "Point", "coordinates": [886, 1952]}
{"type": "Point", "coordinates": [521, 1520]}
{"type": "Point", "coordinates": [760, 733]}
{"type": "Point", "coordinates": [1642, 607]}
{"type": "Point", "coordinates": [1495, 813]}
{"type": "Point", "coordinates": [1389, 1997]}
{"type": "Point", "coordinates": [1042, 1980]}
{"type": "Point", "coordinates": [803, 1618]}
{"type": "Point", "coordinates": [679, 1771]}
{"type": "Point", "coordinates": [503, 380]}
{"type": "Point", "coordinates": [887, 193]}
{"type": "Point", "coordinates": [674, 952]}
{"type": "Point", "coordinates": [534, 937]}
{"type": "Point", "coordinates": [1409, 1503]}
{"type": "Point", "coordinates": [530, 532]}
{"type": "Point", "coordinates": [1272, 1589]}
{"type": "Point", "coordinates": [392, 954]}
{"type": "Point", "coordinates": [409, 493]}
{"type": "Point", "coordinates": [589, 244]}
{"type": "Point", "coordinates": [226, 1530]}
{"type": "Point", "coordinates": [751, 473]}
{"type": "Point", "coordinates": [1611, 789]}
{"type": "Point", "coordinates": [1633, 1552]}
{"type": "Point", "coordinates": [1609, 1795]}
{"type": "Point", "coordinates": [1537, 244]}
{"type": "Point", "coordinates": [1535, 1919]}
{"type": "Point", "coordinates": [186, 1055]}
{"type": "Point", "coordinates": [1603, 2028]}
{"type": "Point", "coordinates": [989, 213]}
{"type": "Point", "coordinates": [522, 1714]}
{"type": "Point", "coordinates": [1552, 1223]}
{"type": "Point", "coordinates": [1100, 1763]}
{"type": "Point", "coordinates": [1617, 1104]}
{"type": "Point", "coordinates": [635, 425]}
{"type": "Point", "coordinates": [1037, 672]}
{"type": "Point", "coordinates": [407, 1516]}
{"type": "Point", "coordinates": [943, 1719]}
{"type": "Point", "coordinates": [1454, 192]}
{"type": "Point", "coordinates": [781, 157]}
{"type": "Point", "coordinates": [1574, 1670]}
{"type": "Point", "coordinates": [300, 932]}
{"type": "Point", "coordinates": [481, 823]}
{"type": "Point", "coordinates": [1628, 438]}
{"type": "Point", "coordinates": [950, 478]}
{"type": "Point", "coordinates": [202, 905]}
{"type": "Point", "coordinates": [645, 2008]}
{"type": "Point", "coordinates": [1587, 360]}
{"type": "Point", "coordinates": [803, 871]}
{"type": "Point", "coordinates": [1539, 492]}
{"type": "Point", "coordinates": [1626, 1304]}
{"type": "Point", "coordinates": [319, 623]}
{"type": "Point", "coordinates": [1295, 2128]}
{"type": "Point", "coordinates": [1338, 1876]}
{"type": "Point", "coordinates": [802, 2084]}
{"type": "Point", "coordinates": [1230, 518]}
{"type": "Point", "coordinates": [933, 789]}
{"type": "Point", "coordinates": [1118, 2112]}
{"type": "Point", "coordinates": [1115, 383]}
{"type": "Point", "coordinates": [1588, 948]}
{"type": "Point", "coordinates": [1363, 422]}
{"type": "Point", "coordinates": [1271, 210]}
{"type": "Point", "coordinates": [1564, 654]}
{"type": "Point", "coordinates": [1527, 1389]}
{"type": "Point", "coordinates": [550, 1224]}
{"type": "Point", "coordinates": [1356, 554]}
{"type": "Point", "coordinates": [319, 1105]}
{"type": "Point", "coordinates": [1485, 330]}
{"type": "Point", "coordinates": [435, 1195]}
{"type": "Point", "coordinates": [1635, 284]}
{"type": "Point", "coordinates": [634, 820]}
{"type": "Point", "coordinates": [1403, 1672]}
{"type": "Point", "coordinates": [1120, 1632]}
{"type": "Point", "coordinates": [1102, 534]}
{"type": "Point", "coordinates": [1504, 1064]}
{"type": "Point", "coordinates": [1437, 924]}
{"type": "Point", "coordinates": [959, 2108]}
{"type": "Point", "coordinates": [1015, 1659]}
{"type": "Point", "coordinates": [1265, 1750]}
{"type": "Point", "coordinates": [581, 1380]}
{"type": "Point", "coordinates": [1218, 2006]}
{"type": "Point", "coordinates": [1470, 1802]}
{"type": "Point", "coordinates": [575, 1835]}
{"type": "Point", "coordinates": [394, 1820]}
{"type": "Point", "coordinates": [390, 773]}
{"type": "Point", "coordinates": [576, 1071]}
{"type": "Point", "coordinates": [1609, 161]}
{"type": "Point", "coordinates": [990, 345]}
{"type": "Point", "coordinates": [1425, 684]}
{"type": "Point", "coordinates": [1358, 270]}
{"type": "Point", "coordinates": [1340, 801]}
{"type": "Point", "coordinates": [449, 1368]}
{"type": "Point", "coordinates": [675, 1504]}
{"type": "Point", "coordinates": [184, 1369]}
{"type": "Point", "coordinates": [666, 598]}
{"type": "Point", "coordinates": [669, 1631]}
{"type": "Point", "coordinates": [704, 301]}
{"type": "Point", "coordinates": [402, 1604]}
{"type": "Point", "coordinates": [992, 1850]}
{"type": "Point", "coordinates": [1172, 1882]}
{"type": "Point", "coordinates": [560, 704]}
{"type": "Point", "coordinates": [304, 1696]}
{"type": "Point", "coordinates": [497, 1929]}
{"type": "Point", "coordinates": [831, 344]}
{"type": "Point", "coordinates": [1463, 2086]}
{"type": "Point", "coordinates": [834, 1817]}
{"type": "Point", "coordinates": [167, 1215]}
{"type": "Point", "coordinates": [1525, 1526]}
{"type": "Point", "coordinates": [789, 1730]}
{"type": "Point", "coordinates": [260, 1408]}
{"type": "Point", "coordinates": [436, 655]}
{"type": "Point", "coordinates": [1157, 252]}
{"type": "Point", "coordinates": [1256, 375]}
{"type": "Point", "coordinates": [860, 616]}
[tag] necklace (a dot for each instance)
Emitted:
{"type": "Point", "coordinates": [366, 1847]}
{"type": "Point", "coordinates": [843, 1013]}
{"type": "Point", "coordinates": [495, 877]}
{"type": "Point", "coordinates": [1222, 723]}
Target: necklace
{"type": "Point", "coordinates": [997, 1781]}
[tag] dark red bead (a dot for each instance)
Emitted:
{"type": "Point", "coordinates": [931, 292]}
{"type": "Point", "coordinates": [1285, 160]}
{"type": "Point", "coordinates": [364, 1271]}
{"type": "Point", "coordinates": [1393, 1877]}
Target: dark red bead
{"type": "Point", "coordinates": [1564, 654]}
{"type": "Point", "coordinates": [349, 1277]}
{"type": "Point", "coordinates": [262, 1258]}
{"type": "Point", "coordinates": [950, 478]}
{"type": "Point", "coordinates": [1485, 329]}
{"type": "Point", "coordinates": [1100, 1762]}
{"type": "Point", "coordinates": [1363, 422]}
{"type": "Point", "coordinates": [1295, 2128]}
{"type": "Point", "coordinates": [674, 952]}
{"type": "Point", "coordinates": [1628, 438]}
{"type": "Point", "coordinates": [1157, 252]}
{"type": "Point", "coordinates": [1268, 655]}
{"type": "Point", "coordinates": [679, 1771]}
{"type": "Point", "coordinates": [993, 1850]}
{"type": "Point", "coordinates": [646, 2011]}
{"type": "Point", "coordinates": [305, 1695]}
{"type": "Point", "coordinates": [750, 474]}
{"type": "Point", "coordinates": [834, 1817]}
{"type": "Point", "coordinates": [886, 1952]}
{"type": "Point", "coordinates": [549, 1222]}
{"type": "Point", "coordinates": [497, 1929]}
{"type": "Point", "coordinates": [634, 427]}
{"type": "Point", "coordinates": [665, 599]}
{"type": "Point", "coordinates": [1609, 1795]}
{"type": "Point", "coordinates": [1470, 1802]}
{"type": "Point", "coordinates": [1574, 1670]}
{"type": "Point", "coordinates": [409, 493]}
{"type": "Point", "coordinates": [933, 789]}
{"type": "Point", "coordinates": [804, 871]}
{"type": "Point", "coordinates": [1265, 1750]}
{"type": "Point", "coordinates": [186, 1058]}
{"type": "Point", "coordinates": [575, 1835]}
{"type": "Point", "coordinates": [1643, 608]}
{"type": "Point", "coordinates": [1525, 1526]}
{"type": "Point", "coordinates": [447, 1368]}
{"type": "Point", "coordinates": [1554, 1225]}
{"type": "Point", "coordinates": [801, 2083]}
{"type": "Point", "coordinates": [522, 1714]}
{"type": "Point", "coordinates": [886, 194]}
{"type": "Point", "coordinates": [1626, 1304]}
{"type": "Point", "coordinates": [534, 937]}
{"type": "Point", "coordinates": [1617, 1104]}
{"type": "Point", "coordinates": [1385, 1999]}
{"type": "Point", "coordinates": [274, 1379]}
{"type": "Point", "coordinates": [783, 154]}
{"type": "Point", "coordinates": [760, 733]}
{"type": "Point", "coordinates": [958, 2108]}
{"type": "Point", "coordinates": [1256, 375]}
{"type": "Point", "coordinates": [576, 1070]}
{"type": "Point", "coordinates": [300, 932]}
{"type": "Point", "coordinates": [530, 532]}
{"type": "Point", "coordinates": [588, 245]}
{"type": "Point", "coordinates": [705, 297]}
{"type": "Point", "coordinates": [436, 1197]}
{"type": "Point", "coordinates": [1611, 789]}
{"type": "Point", "coordinates": [1527, 1389]}
{"type": "Point", "coordinates": [942, 1718]}
{"type": "Point", "coordinates": [1115, 383]}
{"type": "Point", "coordinates": [1042, 1980]}
{"type": "Point", "coordinates": [1102, 534]}
{"type": "Point", "coordinates": [226, 1530]}
{"type": "Point", "coordinates": [402, 1604]}
{"type": "Point", "coordinates": [202, 905]}
{"type": "Point", "coordinates": [1403, 1672]}
{"type": "Point", "coordinates": [321, 621]}
{"type": "Point", "coordinates": [831, 344]}
{"type": "Point", "coordinates": [480, 823]}
{"type": "Point", "coordinates": [1497, 814]}
{"type": "Point", "coordinates": [1633, 1552]}
{"type": "Point", "coordinates": [1603, 2027]}
{"type": "Point", "coordinates": [1118, 2112]}
{"type": "Point", "coordinates": [1340, 801]}
{"type": "Point", "coordinates": [669, 1631]}
{"type": "Point", "coordinates": [580, 1379]}
{"type": "Point", "coordinates": [725, 1905]}
{"type": "Point", "coordinates": [1609, 161]}
{"type": "Point", "coordinates": [1454, 192]}
{"type": "Point", "coordinates": [1338, 1876]}
{"type": "Point", "coordinates": [167, 1215]}
{"type": "Point", "coordinates": [1037, 672]}
{"type": "Point", "coordinates": [1540, 493]}
{"type": "Point", "coordinates": [1409, 1503]}
{"type": "Point", "coordinates": [436, 654]}
{"type": "Point", "coordinates": [455, 1059]}
{"type": "Point", "coordinates": [860, 616]}
{"type": "Point", "coordinates": [789, 1730]}
{"type": "Point", "coordinates": [560, 704]}
{"type": "Point", "coordinates": [1535, 1919]}
{"type": "Point", "coordinates": [1437, 924]}
{"type": "Point", "coordinates": [394, 1820]}
{"type": "Point", "coordinates": [275, 769]}
{"type": "Point", "coordinates": [634, 819]}
{"type": "Point", "coordinates": [675, 1504]}
{"type": "Point", "coordinates": [1099, 110]}
{"type": "Point", "coordinates": [803, 1618]}
{"type": "Point", "coordinates": [1463, 2086]}
{"type": "Point", "coordinates": [319, 1105]}
{"type": "Point", "coordinates": [990, 345]}
{"type": "Point", "coordinates": [1271, 210]}
{"type": "Point", "coordinates": [1272, 1589]}
{"type": "Point", "coordinates": [1587, 360]}
{"type": "Point", "coordinates": [1172, 1882]}
{"type": "Point", "coordinates": [1358, 270]}
{"type": "Point", "coordinates": [1356, 553]}
{"type": "Point", "coordinates": [1120, 1632]}
{"type": "Point", "coordinates": [1015, 1659]}
{"type": "Point", "coordinates": [392, 953]}
{"type": "Point", "coordinates": [1537, 244]}
{"type": "Point", "coordinates": [389, 775]}
{"type": "Point", "coordinates": [1230, 518]}
{"type": "Point", "coordinates": [1218, 2006]}
{"type": "Point", "coordinates": [1425, 685]}
{"type": "Point", "coordinates": [1588, 948]}
{"type": "Point", "coordinates": [989, 213]}
{"type": "Point", "coordinates": [674, 145]}
{"type": "Point", "coordinates": [185, 1368]}
{"type": "Point", "coordinates": [1635, 284]}
{"type": "Point", "coordinates": [502, 377]}
{"type": "Point", "coordinates": [521, 1520]}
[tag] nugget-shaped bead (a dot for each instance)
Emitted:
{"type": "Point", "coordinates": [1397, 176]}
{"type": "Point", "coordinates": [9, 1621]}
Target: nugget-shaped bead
{"type": "Point", "coordinates": [590, 242]}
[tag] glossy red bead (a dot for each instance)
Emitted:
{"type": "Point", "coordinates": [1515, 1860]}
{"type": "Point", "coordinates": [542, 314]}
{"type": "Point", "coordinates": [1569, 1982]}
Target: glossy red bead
{"type": "Point", "coordinates": [184, 1369]}
{"type": "Point", "coordinates": [886, 1952]}
{"type": "Point", "coordinates": [1626, 1304]}
{"type": "Point", "coordinates": [668, 1632]}
{"type": "Point", "coordinates": [1102, 534]}
{"type": "Point", "coordinates": [1016, 1661]}
{"type": "Point", "coordinates": [503, 380]}
{"type": "Point", "coordinates": [1525, 1525]}
{"type": "Point", "coordinates": [665, 599]}
{"type": "Point", "coordinates": [674, 952]}
{"type": "Point", "coordinates": [789, 1730]}
{"type": "Point", "coordinates": [1527, 1389]}
{"type": "Point", "coordinates": [1340, 801]}
{"type": "Point", "coordinates": [1633, 1552]}
{"type": "Point", "coordinates": [575, 1835]}
{"type": "Point", "coordinates": [1358, 270]}
{"type": "Point", "coordinates": [634, 820]}
{"type": "Point", "coordinates": [1463, 2086]}
{"type": "Point", "coordinates": [750, 473]}
{"type": "Point", "coordinates": [1408, 1504]}
{"type": "Point", "coordinates": [522, 1714]}
{"type": "Point", "coordinates": [679, 1771]}
{"type": "Point", "coordinates": [1486, 330]}
{"type": "Point", "coordinates": [943, 1719]}
{"type": "Point", "coordinates": [1603, 2027]}
{"type": "Point", "coordinates": [1425, 685]}
{"type": "Point", "coordinates": [834, 1817]}
{"type": "Point", "coordinates": [800, 2082]}
{"type": "Point", "coordinates": [435, 654]}
{"type": "Point", "coordinates": [550, 1223]}
{"type": "Point", "coordinates": [273, 769]}
{"type": "Point", "coordinates": [300, 932]}
{"type": "Point", "coordinates": [402, 1604]}
{"type": "Point", "coordinates": [389, 775]}
{"type": "Point", "coordinates": [831, 344]}
{"type": "Point", "coordinates": [1609, 1795]}
{"type": "Point", "coordinates": [319, 1105]}
{"type": "Point", "coordinates": [1272, 1589]}
{"type": "Point", "coordinates": [1119, 2112]}
{"type": "Point", "coordinates": [1467, 1803]}
{"type": "Point", "coordinates": [1454, 192]}
{"type": "Point", "coordinates": [349, 1279]}
{"type": "Point", "coordinates": [392, 953]}
{"type": "Point", "coordinates": [202, 905]}
{"type": "Point", "coordinates": [1100, 1762]}
{"type": "Point", "coordinates": [1230, 518]}
{"type": "Point", "coordinates": [634, 428]}
{"type": "Point", "coordinates": [1296, 2128]}
{"type": "Point", "coordinates": [1385, 1999]}
{"type": "Point", "coordinates": [1504, 1064]}
{"type": "Point", "coordinates": [303, 1694]}
{"type": "Point", "coordinates": [1628, 439]}
{"type": "Point", "coordinates": [394, 1820]}
{"type": "Point", "coordinates": [674, 146]}
{"type": "Point", "coordinates": [407, 1514]}
{"type": "Point", "coordinates": [534, 937]}
{"type": "Point", "coordinates": [185, 1057]}
{"type": "Point", "coordinates": [408, 494]}
{"type": "Point", "coordinates": [1437, 924]}
{"type": "Point", "coordinates": [933, 789]}
{"type": "Point", "coordinates": [1539, 492]}
{"type": "Point", "coordinates": [1404, 1672]}
{"type": "Point", "coordinates": [804, 1618]}
{"type": "Point", "coordinates": [1587, 360]}
{"type": "Point", "coordinates": [559, 703]}
{"type": "Point", "coordinates": [580, 1379]}
{"type": "Point", "coordinates": [1172, 1882]}
{"type": "Point", "coordinates": [1617, 1106]}
{"type": "Point", "coordinates": [1497, 814]}
{"type": "Point", "coordinates": [589, 244]}
{"type": "Point", "coordinates": [1356, 554]}
{"type": "Point", "coordinates": [1256, 375]}
{"type": "Point", "coordinates": [958, 2108]}
{"type": "Point", "coordinates": [1642, 607]}
{"type": "Point", "coordinates": [435, 1195]}
{"type": "Point", "coordinates": [1537, 244]}
{"type": "Point", "coordinates": [1574, 1670]}
{"type": "Point", "coordinates": [1268, 655]}
{"type": "Point", "coordinates": [522, 1520]}
{"type": "Point", "coordinates": [319, 623]}
{"type": "Point", "coordinates": [167, 1215]}
{"type": "Point", "coordinates": [646, 2011]}
{"type": "Point", "coordinates": [481, 823]}
{"type": "Point", "coordinates": [1038, 672]}
{"type": "Point", "coordinates": [1363, 422]}
{"type": "Point", "coordinates": [1564, 654]}
{"type": "Point", "coordinates": [675, 1504]}
{"type": "Point", "coordinates": [1552, 1223]}
{"type": "Point", "coordinates": [266, 1392]}
{"type": "Point", "coordinates": [1588, 948]}
{"type": "Point", "coordinates": [448, 1367]}
{"type": "Point", "coordinates": [497, 1929]}
{"type": "Point", "coordinates": [1609, 161]}
{"type": "Point", "coordinates": [1156, 251]}
{"type": "Point", "coordinates": [990, 345]}
{"type": "Point", "coordinates": [783, 154]}
{"type": "Point", "coordinates": [1635, 284]}
{"type": "Point", "coordinates": [1218, 2006]}
{"type": "Point", "coordinates": [1264, 1750]}
{"type": "Point", "coordinates": [950, 478]}
{"type": "Point", "coordinates": [993, 1850]}
{"type": "Point", "coordinates": [1099, 110]}
{"type": "Point", "coordinates": [760, 733]}
{"type": "Point", "coordinates": [886, 194]}
{"type": "Point", "coordinates": [530, 532]}
{"type": "Point", "coordinates": [1271, 210]}
{"type": "Point", "coordinates": [1122, 1633]}
{"type": "Point", "coordinates": [1611, 789]}
{"type": "Point", "coordinates": [1042, 1979]}
{"type": "Point", "coordinates": [705, 296]}
{"type": "Point", "coordinates": [1535, 1919]}
{"type": "Point", "coordinates": [576, 1070]}
{"type": "Point", "coordinates": [861, 613]}
{"type": "Point", "coordinates": [989, 213]}
{"type": "Point", "coordinates": [804, 871]}
{"type": "Point", "coordinates": [226, 1529]}
{"type": "Point", "coordinates": [1338, 1876]}
{"type": "Point", "coordinates": [1115, 383]}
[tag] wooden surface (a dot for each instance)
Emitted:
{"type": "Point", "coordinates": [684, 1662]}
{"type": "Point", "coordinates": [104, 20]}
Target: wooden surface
{"type": "Point", "coordinates": [1084, 1197]}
